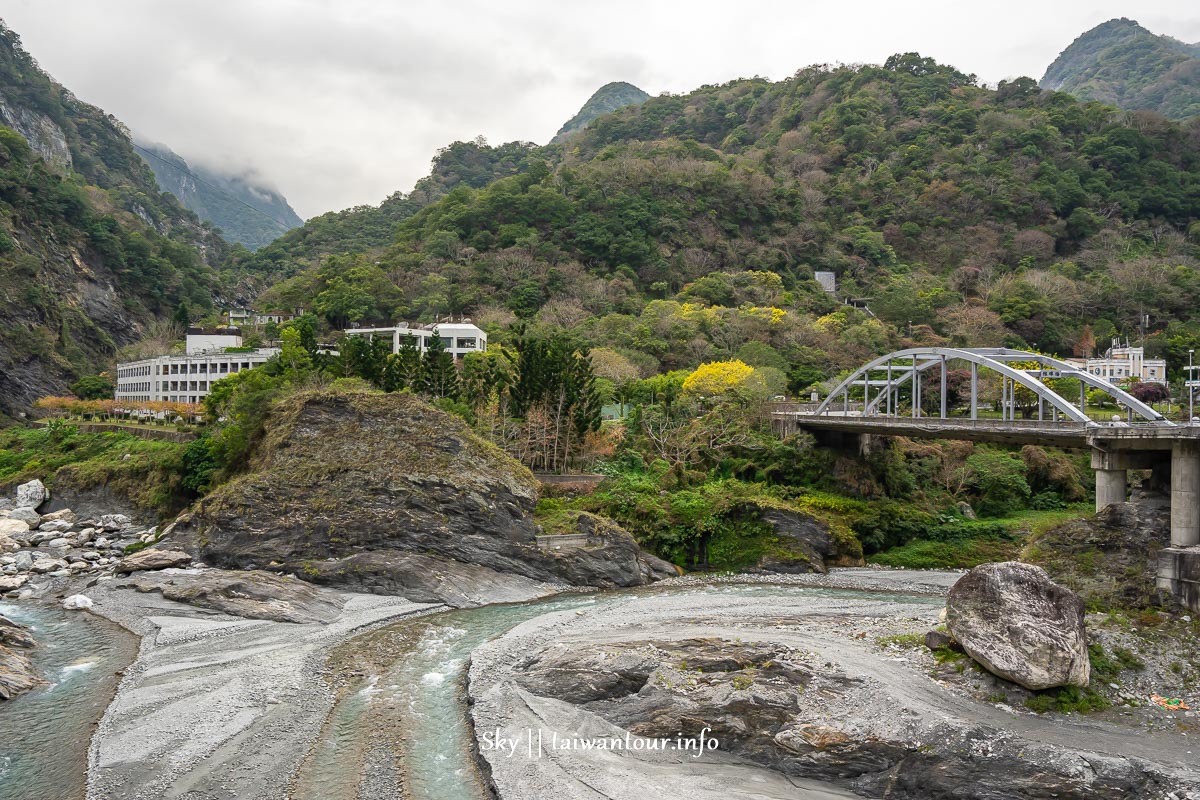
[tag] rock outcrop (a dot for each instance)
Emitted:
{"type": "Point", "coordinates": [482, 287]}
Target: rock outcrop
{"type": "Point", "coordinates": [1019, 625]}
{"type": "Point", "coordinates": [1110, 559]}
{"type": "Point", "coordinates": [380, 492]}
{"type": "Point", "coordinates": [251, 594]}
{"type": "Point", "coordinates": [17, 674]}
{"type": "Point", "coordinates": [153, 558]}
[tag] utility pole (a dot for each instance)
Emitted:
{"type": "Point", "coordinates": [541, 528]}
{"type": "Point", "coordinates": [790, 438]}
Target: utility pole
{"type": "Point", "coordinates": [1190, 383]}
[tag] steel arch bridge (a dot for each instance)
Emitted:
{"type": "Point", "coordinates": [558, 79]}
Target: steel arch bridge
{"type": "Point", "coordinates": [882, 380]}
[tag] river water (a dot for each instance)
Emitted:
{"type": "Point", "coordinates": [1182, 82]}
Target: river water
{"type": "Point", "coordinates": [44, 734]}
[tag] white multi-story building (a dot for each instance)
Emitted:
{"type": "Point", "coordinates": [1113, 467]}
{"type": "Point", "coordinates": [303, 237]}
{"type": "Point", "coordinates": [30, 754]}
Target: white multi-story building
{"type": "Point", "coordinates": [1123, 363]}
{"type": "Point", "coordinates": [209, 356]}
{"type": "Point", "coordinates": [459, 338]}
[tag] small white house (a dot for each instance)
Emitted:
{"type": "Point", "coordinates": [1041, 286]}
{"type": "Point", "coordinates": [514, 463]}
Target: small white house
{"type": "Point", "coordinates": [1123, 363]}
{"type": "Point", "coordinates": [459, 338]}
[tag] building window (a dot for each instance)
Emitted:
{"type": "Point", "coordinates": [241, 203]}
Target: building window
{"type": "Point", "coordinates": [466, 343]}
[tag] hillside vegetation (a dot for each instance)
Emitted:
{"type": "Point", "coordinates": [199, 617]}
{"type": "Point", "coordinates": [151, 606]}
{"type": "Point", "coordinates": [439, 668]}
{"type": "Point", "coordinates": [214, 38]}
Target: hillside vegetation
{"type": "Point", "coordinates": [688, 228]}
{"type": "Point", "coordinates": [1125, 65]}
{"type": "Point", "coordinates": [608, 98]}
{"type": "Point", "coordinates": [90, 251]}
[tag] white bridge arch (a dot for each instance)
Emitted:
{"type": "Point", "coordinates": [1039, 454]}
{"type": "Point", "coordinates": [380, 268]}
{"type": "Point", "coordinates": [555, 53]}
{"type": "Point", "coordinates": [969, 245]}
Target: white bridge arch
{"type": "Point", "coordinates": [888, 374]}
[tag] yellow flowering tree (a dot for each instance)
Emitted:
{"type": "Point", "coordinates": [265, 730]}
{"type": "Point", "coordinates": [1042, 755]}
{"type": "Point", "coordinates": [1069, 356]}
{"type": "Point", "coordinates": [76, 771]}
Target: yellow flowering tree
{"type": "Point", "coordinates": [719, 377]}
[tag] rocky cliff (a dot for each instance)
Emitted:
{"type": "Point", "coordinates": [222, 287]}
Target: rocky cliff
{"type": "Point", "coordinates": [383, 493]}
{"type": "Point", "coordinates": [90, 251]}
{"type": "Point", "coordinates": [240, 205]}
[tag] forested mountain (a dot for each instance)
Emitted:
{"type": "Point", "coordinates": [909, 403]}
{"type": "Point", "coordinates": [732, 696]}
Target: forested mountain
{"type": "Point", "coordinates": [688, 228]}
{"type": "Point", "coordinates": [90, 250]}
{"type": "Point", "coordinates": [608, 98]}
{"type": "Point", "coordinates": [361, 229]}
{"type": "Point", "coordinates": [241, 208]}
{"type": "Point", "coordinates": [1125, 65]}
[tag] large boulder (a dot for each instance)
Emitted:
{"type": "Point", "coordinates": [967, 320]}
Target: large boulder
{"type": "Point", "coordinates": [356, 489]}
{"type": "Point", "coordinates": [32, 494]}
{"type": "Point", "coordinates": [1020, 625]}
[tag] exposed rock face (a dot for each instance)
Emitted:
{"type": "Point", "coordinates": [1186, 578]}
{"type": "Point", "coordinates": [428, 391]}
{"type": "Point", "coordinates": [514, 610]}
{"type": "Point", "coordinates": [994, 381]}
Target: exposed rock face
{"type": "Point", "coordinates": [44, 137]}
{"type": "Point", "coordinates": [16, 671]}
{"type": "Point", "coordinates": [32, 494]}
{"type": "Point", "coordinates": [380, 493]}
{"type": "Point", "coordinates": [1110, 559]}
{"type": "Point", "coordinates": [805, 543]}
{"type": "Point", "coordinates": [252, 594]}
{"type": "Point", "coordinates": [744, 693]}
{"type": "Point", "coordinates": [1020, 625]}
{"type": "Point", "coordinates": [153, 558]}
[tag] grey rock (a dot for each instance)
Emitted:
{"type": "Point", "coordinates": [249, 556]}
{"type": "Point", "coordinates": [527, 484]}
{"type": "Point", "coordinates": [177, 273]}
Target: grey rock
{"type": "Point", "coordinates": [10, 582]}
{"type": "Point", "coordinates": [14, 528]}
{"type": "Point", "coordinates": [63, 515]}
{"type": "Point", "coordinates": [153, 558]}
{"type": "Point", "coordinates": [32, 494]}
{"type": "Point", "coordinates": [965, 509]}
{"type": "Point", "coordinates": [90, 555]}
{"type": "Point", "coordinates": [1019, 625]}
{"type": "Point", "coordinates": [45, 566]}
{"type": "Point", "coordinates": [8, 545]}
{"type": "Point", "coordinates": [254, 594]}
{"type": "Point", "coordinates": [26, 515]}
{"type": "Point", "coordinates": [115, 522]}
{"type": "Point", "coordinates": [55, 526]}
{"type": "Point", "coordinates": [59, 542]}
{"type": "Point", "coordinates": [936, 639]}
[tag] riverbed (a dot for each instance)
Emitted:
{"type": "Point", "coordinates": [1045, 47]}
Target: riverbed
{"type": "Point", "coordinates": [377, 704]}
{"type": "Point", "coordinates": [44, 734]}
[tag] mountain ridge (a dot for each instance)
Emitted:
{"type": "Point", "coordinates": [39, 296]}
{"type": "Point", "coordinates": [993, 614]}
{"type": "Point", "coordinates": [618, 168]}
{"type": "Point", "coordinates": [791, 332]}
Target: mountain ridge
{"type": "Point", "coordinates": [608, 98]}
{"type": "Point", "coordinates": [245, 212]}
{"type": "Point", "coordinates": [1121, 63]}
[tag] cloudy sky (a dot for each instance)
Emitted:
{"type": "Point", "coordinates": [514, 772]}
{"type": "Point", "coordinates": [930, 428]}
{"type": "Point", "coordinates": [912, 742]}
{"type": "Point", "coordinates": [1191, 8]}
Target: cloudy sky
{"type": "Point", "coordinates": [342, 102]}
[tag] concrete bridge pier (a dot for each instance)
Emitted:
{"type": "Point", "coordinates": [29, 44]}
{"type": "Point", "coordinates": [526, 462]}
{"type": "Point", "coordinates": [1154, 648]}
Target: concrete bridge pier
{"type": "Point", "coordinates": [1112, 477]}
{"type": "Point", "coordinates": [1185, 493]}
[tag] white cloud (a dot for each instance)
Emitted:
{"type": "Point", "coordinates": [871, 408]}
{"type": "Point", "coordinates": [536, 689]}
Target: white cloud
{"type": "Point", "coordinates": [341, 103]}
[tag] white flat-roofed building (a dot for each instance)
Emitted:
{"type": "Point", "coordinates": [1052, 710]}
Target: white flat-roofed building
{"type": "Point", "coordinates": [1124, 363]}
{"type": "Point", "coordinates": [188, 378]}
{"type": "Point", "coordinates": [459, 338]}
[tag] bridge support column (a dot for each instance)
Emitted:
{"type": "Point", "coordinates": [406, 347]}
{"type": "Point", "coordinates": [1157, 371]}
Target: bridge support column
{"type": "Point", "coordinates": [1110, 487]}
{"type": "Point", "coordinates": [1185, 493]}
{"type": "Point", "coordinates": [1111, 478]}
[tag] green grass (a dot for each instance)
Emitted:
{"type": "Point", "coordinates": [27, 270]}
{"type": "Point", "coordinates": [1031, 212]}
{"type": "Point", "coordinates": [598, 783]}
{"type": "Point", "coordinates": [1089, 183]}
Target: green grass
{"type": "Point", "coordinates": [144, 471]}
{"type": "Point", "coordinates": [1066, 700]}
{"type": "Point", "coordinates": [1022, 527]}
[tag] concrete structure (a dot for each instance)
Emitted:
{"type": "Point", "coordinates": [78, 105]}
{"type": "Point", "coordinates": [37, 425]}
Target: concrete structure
{"type": "Point", "coordinates": [1121, 364]}
{"type": "Point", "coordinates": [247, 316]}
{"type": "Point", "coordinates": [827, 281]}
{"type": "Point", "coordinates": [211, 340]}
{"type": "Point", "coordinates": [459, 338]}
{"type": "Point", "coordinates": [209, 356]}
{"type": "Point", "coordinates": [890, 392]}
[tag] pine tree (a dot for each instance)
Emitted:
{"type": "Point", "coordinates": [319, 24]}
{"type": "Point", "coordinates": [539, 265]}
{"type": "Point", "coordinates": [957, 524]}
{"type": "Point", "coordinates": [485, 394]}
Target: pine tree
{"type": "Point", "coordinates": [439, 375]}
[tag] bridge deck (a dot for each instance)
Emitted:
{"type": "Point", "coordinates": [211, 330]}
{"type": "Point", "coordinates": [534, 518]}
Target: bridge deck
{"type": "Point", "coordinates": [1148, 436]}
